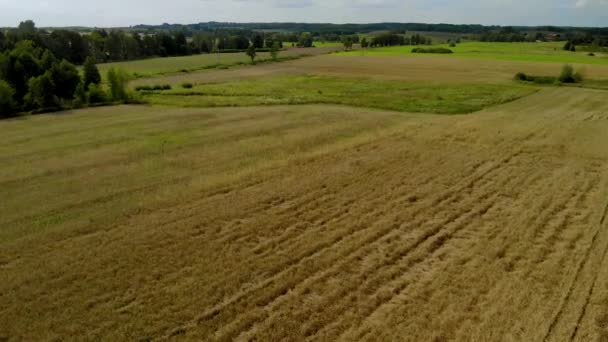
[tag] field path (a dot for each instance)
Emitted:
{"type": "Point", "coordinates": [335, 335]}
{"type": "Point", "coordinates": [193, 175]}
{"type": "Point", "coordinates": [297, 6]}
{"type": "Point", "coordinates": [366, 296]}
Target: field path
{"type": "Point", "coordinates": [485, 227]}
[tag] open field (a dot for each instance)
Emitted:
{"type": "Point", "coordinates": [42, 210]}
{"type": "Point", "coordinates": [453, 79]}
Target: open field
{"type": "Point", "coordinates": [318, 199]}
{"type": "Point", "coordinates": [427, 68]}
{"type": "Point", "coordinates": [313, 222]}
{"type": "Point", "coordinates": [168, 65]}
{"type": "Point", "coordinates": [382, 94]}
{"type": "Point", "coordinates": [529, 52]}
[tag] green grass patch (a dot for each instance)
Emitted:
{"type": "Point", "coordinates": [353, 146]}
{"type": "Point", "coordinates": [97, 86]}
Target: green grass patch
{"type": "Point", "coordinates": [390, 95]}
{"type": "Point", "coordinates": [535, 52]}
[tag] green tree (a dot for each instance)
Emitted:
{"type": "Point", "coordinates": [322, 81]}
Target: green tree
{"type": "Point", "coordinates": [364, 43]}
{"type": "Point", "coordinates": [80, 95]}
{"type": "Point", "coordinates": [48, 60]}
{"type": "Point", "coordinates": [118, 80]}
{"type": "Point", "coordinates": [21, 64]}
{"type": "Point", "coordinates": [274, 50]}
{"type": "Point", "coordinates": [251, 52]}
{"type": "Point", "coordinates": [305, 40]}
{"type": "Point", "coordinates": [8, 106]}
{"type": "Point", "coordinates": [66, 78]}
{"type": "Point", "coordinates": [258, 41]}
{"type": "Point", "coordinates": [91, 73]}
{"type": "Point", "coordinates": [27, 29]}
{"type": "Point", "coordinates": [567, 75]}
{"type": "Point", "coordinates": [95, 94]}
{"type": "Point", "coordinates": [348, 42]}
{"type": "Point", "coordinates": [41, 92]}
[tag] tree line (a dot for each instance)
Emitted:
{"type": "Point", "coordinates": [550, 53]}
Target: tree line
{"type": "Point", "coordinates": [319, 29]}
{"type": "Point", "coordinates": [395, 39]}
{"type": "Point", "coordinates": [120, 45]}
{"type": "Point", "coordinates": [33, 79]}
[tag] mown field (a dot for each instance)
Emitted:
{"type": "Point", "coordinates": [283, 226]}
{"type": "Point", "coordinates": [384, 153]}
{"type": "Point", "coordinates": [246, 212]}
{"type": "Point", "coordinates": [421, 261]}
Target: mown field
{"type": "Point", "coordinates": [329, 198]}
{"type": "Point", "coordinates": [170, 65]}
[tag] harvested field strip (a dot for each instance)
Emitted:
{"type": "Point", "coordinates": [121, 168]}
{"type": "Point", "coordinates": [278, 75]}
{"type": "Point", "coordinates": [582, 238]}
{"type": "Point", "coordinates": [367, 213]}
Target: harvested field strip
{"type": "Point", "coordinates": [438, 69]}
{"type": "Point", "coordinates": [170, 65]}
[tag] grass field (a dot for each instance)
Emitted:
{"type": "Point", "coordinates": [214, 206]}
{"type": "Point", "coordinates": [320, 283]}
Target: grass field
{"type": "Point", "coordinates": [319, 199]}
{"type": "Point", "coordinates": [160, 66]}
{"type": "Point", "coordinates": [531, 52]}
{"type": "Point", "coordinates": [427, 68]}
{"type": "Point", "coordinates": [391, 95]}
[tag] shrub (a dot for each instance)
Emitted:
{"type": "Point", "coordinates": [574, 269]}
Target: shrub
{"type": "Point", "coordinates": [65, 78]}
{"type": "Point", "coordinates": [143, 88]}
{"type": "Point", "coordinates": [7, 102]}
{"type": "Point", "coordinates": [159, 87]}
{"type": "Point", "coordinates": [520, 76]}
{"type": "Point", "coordinates": [567, 75]}
{"type": "Point", "coordinates": [96, 94]}
{"type": "Point", "coordinates": [187, 85]}
{"type": "Point", "coordinates": [41, 92]}
{"type": "Point", "coordinates": [591, 54]}
{"type": "Point", "coordinates": [118, 79]}
{"type": "Point", "coordinates": [432, 50]}
{"type": "Point", "coordinates": [452, 44]}
{"type": "Point", "coordinates": [91, 73]}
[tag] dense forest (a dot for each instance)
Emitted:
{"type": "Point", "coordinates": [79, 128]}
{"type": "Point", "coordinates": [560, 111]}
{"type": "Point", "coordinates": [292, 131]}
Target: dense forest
{"type": "Point", "coordinates": [346, 29]}
{"type": "Point", "coordinates": [37, 72]}
{"type": "Point", "coordinates": [119, 45]}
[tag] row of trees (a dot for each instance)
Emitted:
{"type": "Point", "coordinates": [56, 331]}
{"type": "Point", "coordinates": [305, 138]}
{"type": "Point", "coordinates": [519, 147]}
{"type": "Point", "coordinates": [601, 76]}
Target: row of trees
{"type": "Point", "coordinates": [394, 39]}
{"type": "Point", "coordinates": [117, 45]}
{"type": "Point", "coordinates": [33, 79]}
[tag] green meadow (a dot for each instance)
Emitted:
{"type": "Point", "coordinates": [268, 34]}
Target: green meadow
{"type": "Point", "coordinates": [402, 96]}
{"type": "Point", "coordinates": [533, 52]}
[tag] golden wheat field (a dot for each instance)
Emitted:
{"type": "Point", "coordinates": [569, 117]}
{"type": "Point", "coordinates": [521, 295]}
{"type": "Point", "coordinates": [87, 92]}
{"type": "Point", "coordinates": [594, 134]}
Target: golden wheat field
{"type": "Point", "coordinates": [302, 223]}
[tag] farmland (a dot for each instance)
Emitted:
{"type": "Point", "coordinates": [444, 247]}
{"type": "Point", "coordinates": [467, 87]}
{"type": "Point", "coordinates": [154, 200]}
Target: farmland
{"type": "Point", "coordinates": [160, 66]}
{"type": "Point", "coordinates": [360, 196]}
{"type": "Point", "coordinates": [530, 52]}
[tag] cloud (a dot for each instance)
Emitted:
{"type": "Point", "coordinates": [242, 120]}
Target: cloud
{"type": "Point", "coordinates": [132, 12]}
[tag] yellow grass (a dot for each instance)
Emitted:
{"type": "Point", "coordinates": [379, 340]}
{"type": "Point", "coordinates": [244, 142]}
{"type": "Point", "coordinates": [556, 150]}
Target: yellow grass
{"type": "Point", "coordinates": [411, 68]}
{"type": "Point", "coordinates": [307, 223]}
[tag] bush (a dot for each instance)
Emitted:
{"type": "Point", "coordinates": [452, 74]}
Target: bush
{"type": "Point", "coordinates": [452, 44]}
{"type": "Point", "coordinates": [41, 92]}
{"type": "Point", "coordinates": [118, 80]}
{"type": "Point", "coordinates": [143, 88]}
{"type": "Point", "coordinates": [159, 87]}
{"type": "Point", "coordinates": [66, 79]}
{"type": "Point", "coordinates": [567, 75]}
{"type": "Point", "coordinates": [520, 76]}
{"type": "Point", "coordinates": [591, 54]}
{"type": "Point", "coordinates": [187, 85]}
{"type": "Point", "coordinates": [95, 94]}
{"type": "Point", "coordinates": [432, 50]}
{"type": "Point", "coordinates": [7, 102]}
{"type": "Point", "coordinates": [91, 73]}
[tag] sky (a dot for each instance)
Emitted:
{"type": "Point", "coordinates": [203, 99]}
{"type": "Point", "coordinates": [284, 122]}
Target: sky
{"type": "Point", "coordinates": [113, 13]}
